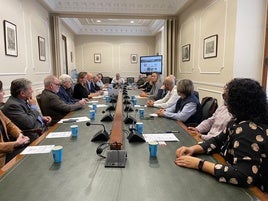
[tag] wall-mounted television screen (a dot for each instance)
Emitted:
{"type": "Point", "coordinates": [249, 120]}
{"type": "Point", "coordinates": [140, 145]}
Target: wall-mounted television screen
{"type": "Point", "coordinates": [151, 64]}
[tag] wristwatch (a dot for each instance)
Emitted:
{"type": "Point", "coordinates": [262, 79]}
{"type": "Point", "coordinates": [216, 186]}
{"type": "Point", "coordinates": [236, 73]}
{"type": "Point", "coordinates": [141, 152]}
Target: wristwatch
{"type": "Point", "coordinates": [200, 164]}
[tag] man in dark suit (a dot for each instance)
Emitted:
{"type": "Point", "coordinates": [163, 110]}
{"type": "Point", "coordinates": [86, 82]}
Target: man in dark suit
{"type": "Point", "coordinates": [51, 103]}
{"type": "Point", "coordinates": [21, 109]}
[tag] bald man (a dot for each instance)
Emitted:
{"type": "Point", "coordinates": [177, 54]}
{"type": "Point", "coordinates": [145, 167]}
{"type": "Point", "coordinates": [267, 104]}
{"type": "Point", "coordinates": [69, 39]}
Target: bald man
{"type": "Point", "coordinates": [51, 103]}
{"type": "Point", "coordinates": [170, 98]}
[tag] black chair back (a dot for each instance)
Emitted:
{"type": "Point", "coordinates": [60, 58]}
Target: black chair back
{"type": "Point", "coordinates": [209, 106]}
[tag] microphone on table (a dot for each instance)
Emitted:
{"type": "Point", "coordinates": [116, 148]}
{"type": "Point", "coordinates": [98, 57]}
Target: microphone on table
{"type": "Point", "coordinates": [126, 102]}
{"type": "Point", "coordinates": [129, 119]}
{"type": "Point", "coordinates": [133, 136]}
{"type": "Point", "coordinates": [101, 135]}
{"type": "Point", "coordinates": [107, 117]}
{"type": "Point", "coordinates": [112, 107]}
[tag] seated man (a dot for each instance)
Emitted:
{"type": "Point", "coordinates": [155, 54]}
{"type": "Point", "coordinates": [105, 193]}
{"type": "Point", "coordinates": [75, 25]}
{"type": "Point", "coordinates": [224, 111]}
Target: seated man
{"type": "Point", "coordinates": [21, 109]}
{"type": "Point", "coordinates": [146, 86]}
{"type": "Point", "coordinates": [214, 125]}
{"type": "Point", "coordinates": [156, 85]}
{"type": "Point", "coordinates": [51, 103]}
{"type": "Point", "coordinates": [94, 83]}
{"type": "Point", "coordinates": [93, 89]}
{"type": "Point", "coordinates": [170, 98]}
{"type": "Point", "coordinates": [118, 80]}
{"type": "Point", "coordinates": [141, 80]}
{"type": "Point", "coordinates": [188, 108]}
{"type": "Point", "coordinates": [65, 90]}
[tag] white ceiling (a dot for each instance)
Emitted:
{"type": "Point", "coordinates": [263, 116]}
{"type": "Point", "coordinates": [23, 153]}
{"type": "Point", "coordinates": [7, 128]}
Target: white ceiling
{"type": "Point", "coordinates": [115, 17]}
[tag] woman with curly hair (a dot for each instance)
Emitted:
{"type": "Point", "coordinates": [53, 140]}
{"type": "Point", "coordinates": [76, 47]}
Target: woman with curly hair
{"type": "Point", "coordinates": [243, 144]}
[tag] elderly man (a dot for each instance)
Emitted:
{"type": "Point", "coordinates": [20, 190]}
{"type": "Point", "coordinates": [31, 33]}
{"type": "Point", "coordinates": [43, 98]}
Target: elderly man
{"type": "Point", "coordinates": [170, 98]}
{"type": "Point", "coordinates": [51, 103]}
{"type": "Point", "coordinates": [65, 90]}
{"type": "Point", "coordinates": [94, 91]}
{"type": "Point", "coordinates": [214, 125]}
{"type": "Point", "coordinates": [21, 109]}
{"type": "Point", "coordinates": [118, 79]}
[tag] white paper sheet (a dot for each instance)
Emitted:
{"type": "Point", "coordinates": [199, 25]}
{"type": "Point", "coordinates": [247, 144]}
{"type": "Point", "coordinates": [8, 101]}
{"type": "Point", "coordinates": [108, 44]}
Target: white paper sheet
{"type": "Point", "coordinates": [43, 149]}
{"type": "Point", "coordinates": [95, 101]}
{"type": "Point", "coordinates": [75, 119]}
{"type": "Point", "coordinates": [95, 97]}
{"type": "Point", "coordinates": [98, 105]}
{"type": "Point", "coordinates": [59, 134]}
{"type": "Point", "coordinates": [140, 97]}
{"type": "Point", "coordinates": [161, 137]}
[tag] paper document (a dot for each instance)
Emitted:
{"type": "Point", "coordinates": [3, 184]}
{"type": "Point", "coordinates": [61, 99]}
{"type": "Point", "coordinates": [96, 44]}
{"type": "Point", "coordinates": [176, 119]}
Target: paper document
{"type": "Point", "coordinates": [160, 137]}
{"type": "Point", "coordinates": [75, 119]}
{"type": "Point", "coordinates": [98, 105]}
{"type": "Point", "coordinates": [43, 149]}
{"type": "Point", "coordinates": [95, 97]}
{"type": "Point", "coordinates": [140, 97]}
{"type": "Point", "coordinates": [59, 134]}
{"type": "Point", "coordinates": [95, 101]}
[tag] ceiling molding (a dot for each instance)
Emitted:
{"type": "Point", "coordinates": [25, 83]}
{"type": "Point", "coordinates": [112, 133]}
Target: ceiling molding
{"type": "Point", "coordinates": [81, 15]}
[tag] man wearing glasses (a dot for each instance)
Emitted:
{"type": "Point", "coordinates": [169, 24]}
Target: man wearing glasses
{"type": "Point", "coordinates": [50, 102]}
{"type": "Point", "coordinates": [21, 109]}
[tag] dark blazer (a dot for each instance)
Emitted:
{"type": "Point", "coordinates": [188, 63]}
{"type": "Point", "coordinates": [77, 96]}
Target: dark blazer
{"type": "Point", "coordinates": [54, 107]}
{"type": "Point", "coordinates": [23, 116]}
{"type": "Point", "coordinates": [66, 96]}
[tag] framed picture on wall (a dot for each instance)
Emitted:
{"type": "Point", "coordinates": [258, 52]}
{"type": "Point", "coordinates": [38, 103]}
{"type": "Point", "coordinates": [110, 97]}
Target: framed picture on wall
{"type": "Point", "coordinates": [210, 46]}
{"type": "Point", "coordinates": [97, 58]}
{"type": "Point", "coordinates": [41, 48]}
{"type": "Point", "coordinates": [133, 58]}
{"type": "Point", "coordinates": [185, 52]}
{"type": "Point", "coordinates": [10, 35]}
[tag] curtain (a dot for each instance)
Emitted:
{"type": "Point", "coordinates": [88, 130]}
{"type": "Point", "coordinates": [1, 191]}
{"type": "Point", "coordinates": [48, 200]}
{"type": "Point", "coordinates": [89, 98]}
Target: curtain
{"type": "Point", "coordinates": [171, 27]}
{"type": "Point", "coordinates": [55, 44]}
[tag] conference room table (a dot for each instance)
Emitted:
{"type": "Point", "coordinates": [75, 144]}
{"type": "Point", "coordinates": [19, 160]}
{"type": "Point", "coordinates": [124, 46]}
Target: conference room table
{"type": "Point", "coordinates": [82, 175]}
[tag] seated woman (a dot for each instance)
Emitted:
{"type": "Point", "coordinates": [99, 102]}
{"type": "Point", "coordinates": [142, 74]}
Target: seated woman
{"type": "Point", "coordinates": [11, 137]}
{"type": "Point", "coordinates": [80, 89]}
{"type": "Point", "coordinates": [188, 108]}
{"type": "Point", "coordinates": [99, 82]}
{"type": "Point", "coordinates": [243, 144]}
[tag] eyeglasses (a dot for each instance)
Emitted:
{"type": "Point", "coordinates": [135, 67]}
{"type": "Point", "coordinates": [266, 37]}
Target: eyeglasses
{"type": "Point", "coordinates": [57, 84]}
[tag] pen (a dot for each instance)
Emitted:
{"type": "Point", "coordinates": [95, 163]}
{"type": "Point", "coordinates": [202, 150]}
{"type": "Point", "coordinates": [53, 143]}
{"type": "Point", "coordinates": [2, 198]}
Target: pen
{"type": "Point", "coordinates": [172, 131]}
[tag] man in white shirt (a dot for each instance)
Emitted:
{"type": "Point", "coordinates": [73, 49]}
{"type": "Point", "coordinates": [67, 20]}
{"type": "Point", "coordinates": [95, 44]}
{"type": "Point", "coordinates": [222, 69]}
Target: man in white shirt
{"type": "Point", "coordinates": [118, 80]}
{"type": "Point", "coordinates": [170, 98]}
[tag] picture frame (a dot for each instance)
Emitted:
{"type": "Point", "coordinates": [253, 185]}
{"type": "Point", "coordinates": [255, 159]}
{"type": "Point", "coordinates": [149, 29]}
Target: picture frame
{"type": "Point", "coordinates": [210, 47]}
{"type": "Point", "coordinates": [186, 52]}
{"type": "Point", "coordinates": [97, 58]}
{"type": "Point", "coordinates": [10, 37]}
{"type": "Point", "coordinates": [42, 48]}
{"type": "Point", "coordinates": [133, 58]}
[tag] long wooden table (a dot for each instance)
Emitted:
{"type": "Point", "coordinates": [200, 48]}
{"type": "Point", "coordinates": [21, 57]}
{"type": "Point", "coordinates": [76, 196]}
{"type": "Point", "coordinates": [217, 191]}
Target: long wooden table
{"type": "Point", "coordinates": [82, 175]}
